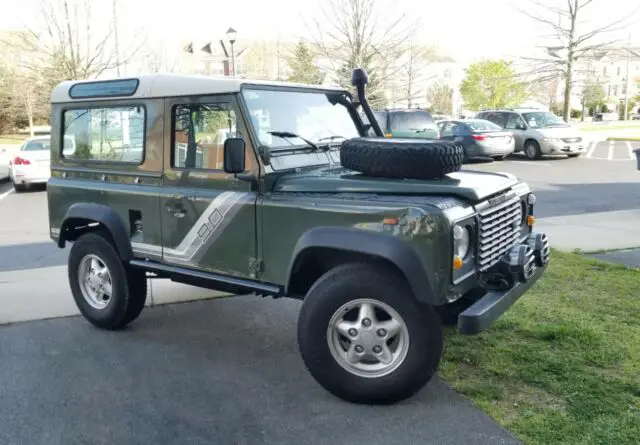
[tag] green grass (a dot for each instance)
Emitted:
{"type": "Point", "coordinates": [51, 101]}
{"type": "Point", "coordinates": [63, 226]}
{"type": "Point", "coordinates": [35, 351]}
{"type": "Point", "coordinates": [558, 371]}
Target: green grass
{"type": "Point", "coordinates": [12, 139]}
{"type": "Point", "coordinates": [628, 125]}
{"type": "Point", "coordinates": [562, 366]}
{"type": "Point", "coordinates": [625, 138]}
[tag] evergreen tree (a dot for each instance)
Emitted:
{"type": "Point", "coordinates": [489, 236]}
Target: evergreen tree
{"type": "Point", "coordinates": [303, 67]}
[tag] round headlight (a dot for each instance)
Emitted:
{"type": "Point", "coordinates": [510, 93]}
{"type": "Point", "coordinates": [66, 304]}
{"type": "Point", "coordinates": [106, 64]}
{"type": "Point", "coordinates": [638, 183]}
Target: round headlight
{"type": "Point", "coordinates": [461, 241]}
{"type": "Point", "coordinates": [531, 199]}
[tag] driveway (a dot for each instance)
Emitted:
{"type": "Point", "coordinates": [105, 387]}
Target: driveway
{"type": "Point", "coordinates": [221, 371]}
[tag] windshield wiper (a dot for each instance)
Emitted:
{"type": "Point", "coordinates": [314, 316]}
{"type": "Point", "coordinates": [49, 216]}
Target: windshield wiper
{"type": "Point", "coordinates": [287, 134]}
{"type": "Point", "coordinates": [331, 138]}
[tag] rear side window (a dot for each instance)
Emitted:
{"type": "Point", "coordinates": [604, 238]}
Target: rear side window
{"type": "Point", "coordinates": [499, 119]}
{"type": "Point", "coordinates": [38, 145]}
{"type": "Point", "coordinates": [412, 120]}
{"type": "Point", "coordinates": [110, 134]}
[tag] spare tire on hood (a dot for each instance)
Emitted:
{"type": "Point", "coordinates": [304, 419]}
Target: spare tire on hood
{"type": "Point", "coordinates": [401, 158]}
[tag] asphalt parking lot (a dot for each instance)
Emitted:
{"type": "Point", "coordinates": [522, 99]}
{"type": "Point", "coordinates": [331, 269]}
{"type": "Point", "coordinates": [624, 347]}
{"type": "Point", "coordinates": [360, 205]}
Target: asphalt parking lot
{"type": "Point", "coordinates": [228, 370]}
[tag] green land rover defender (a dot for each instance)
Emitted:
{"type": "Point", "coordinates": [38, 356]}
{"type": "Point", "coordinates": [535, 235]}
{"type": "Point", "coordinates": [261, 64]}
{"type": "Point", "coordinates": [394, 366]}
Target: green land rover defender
{"type": "Point", "coordinates": [273, 189]}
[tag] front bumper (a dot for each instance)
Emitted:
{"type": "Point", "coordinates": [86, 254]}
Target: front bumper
{"type": "Point", "coordinates": [558, 148]}
{"type": "Point", "coordinates": [518, 270]}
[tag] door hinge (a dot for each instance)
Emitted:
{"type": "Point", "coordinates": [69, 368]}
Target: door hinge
{"type": "Point", "coordinates": [256, 266]}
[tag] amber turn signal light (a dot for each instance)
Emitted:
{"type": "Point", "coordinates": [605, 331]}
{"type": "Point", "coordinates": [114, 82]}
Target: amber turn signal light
{"type": "Point", "coordinates": [457, 262]}
{"type": "Point", "coordinates": [530, 220]}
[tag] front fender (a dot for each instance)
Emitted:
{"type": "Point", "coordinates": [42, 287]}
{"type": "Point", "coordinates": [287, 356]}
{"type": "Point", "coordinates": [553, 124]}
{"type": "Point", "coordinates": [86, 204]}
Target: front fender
{"type": "Point", "coordinates": [380, 245]}
{"type": "Point", "coordinates": [106, 216]}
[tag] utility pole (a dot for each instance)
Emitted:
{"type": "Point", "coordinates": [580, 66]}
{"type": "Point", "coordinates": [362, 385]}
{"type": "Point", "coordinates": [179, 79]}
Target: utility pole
{"type": "Point", "coordinates": [626, 80]}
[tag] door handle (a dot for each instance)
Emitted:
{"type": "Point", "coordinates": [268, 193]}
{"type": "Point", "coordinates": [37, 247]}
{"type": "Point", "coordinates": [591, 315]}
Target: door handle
{"type": "Point", "coordinates": [178, 212]}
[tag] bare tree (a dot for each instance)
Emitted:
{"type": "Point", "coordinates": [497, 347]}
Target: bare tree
{"type": "Point", "coordinates": [69, 42]}
{"type": "Point", "coordinates": [357, 33]}
{"type": "Point", "coordinates": [440, 97]}
{"type": "Point", "coordinates": [412, 70]}
{"type": "Point", "coordinates": [158, 58]}
{"type": "Point", "coordinates": [571, 42]}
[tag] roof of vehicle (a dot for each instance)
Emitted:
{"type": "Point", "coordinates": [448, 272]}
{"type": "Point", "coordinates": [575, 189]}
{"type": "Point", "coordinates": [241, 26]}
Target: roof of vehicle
{"type": "Point", "coordinates": [169, 85]}
{"type": "Point", "coordinates": [513, 110]}
{"type": "Point", "coordinates": [403, 110]}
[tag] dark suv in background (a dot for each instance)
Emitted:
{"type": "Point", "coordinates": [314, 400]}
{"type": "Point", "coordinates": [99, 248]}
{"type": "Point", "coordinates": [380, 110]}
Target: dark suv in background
{"type": "Point", "coordinates": [406, 123]}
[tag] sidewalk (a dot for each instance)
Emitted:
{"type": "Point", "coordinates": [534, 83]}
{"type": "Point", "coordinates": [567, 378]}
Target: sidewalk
{"type": "Point", "coordinates": [23, 297]}
{"type": "Point", "coordinates": [592, 231]}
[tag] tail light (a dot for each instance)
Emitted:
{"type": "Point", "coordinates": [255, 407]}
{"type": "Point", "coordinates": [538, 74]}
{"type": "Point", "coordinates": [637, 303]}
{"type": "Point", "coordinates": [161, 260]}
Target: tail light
{"type": "Point", "coordinates": [478, 137]}
{"type": "Point", "coordinates": [21, 161]}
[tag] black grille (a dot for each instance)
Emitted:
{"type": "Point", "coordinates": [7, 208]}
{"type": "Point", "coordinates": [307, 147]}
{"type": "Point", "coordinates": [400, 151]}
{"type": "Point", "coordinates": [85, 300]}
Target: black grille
{"type": "Point", "coordinates": [499, 229]}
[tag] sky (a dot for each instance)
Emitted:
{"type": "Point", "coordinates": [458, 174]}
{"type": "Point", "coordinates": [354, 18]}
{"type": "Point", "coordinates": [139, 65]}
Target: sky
{"type": "Point", "coordinates": [465, 29]}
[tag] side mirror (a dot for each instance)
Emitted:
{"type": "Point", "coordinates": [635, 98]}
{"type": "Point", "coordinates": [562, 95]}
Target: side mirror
{"type": "Point", "coordinates": [234, 155]}
{"type": "Point", "coordinates": [521, 127]}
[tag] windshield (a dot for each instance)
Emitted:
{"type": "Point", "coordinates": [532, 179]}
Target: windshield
{"type": "Point", "coordinates": [481, 125]}
{"type": "Point", "coordinates": [316, 116]}
{"type": "Point", "coordinates": [411, 120]}
{"type": "Point", "coordinates": [37, 145]}
{"type": "Point", "coordinates": [543, 119]}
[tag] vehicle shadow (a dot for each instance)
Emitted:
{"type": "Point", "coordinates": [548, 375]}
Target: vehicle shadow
{"type": "Point", "coordinates": [216, 371]}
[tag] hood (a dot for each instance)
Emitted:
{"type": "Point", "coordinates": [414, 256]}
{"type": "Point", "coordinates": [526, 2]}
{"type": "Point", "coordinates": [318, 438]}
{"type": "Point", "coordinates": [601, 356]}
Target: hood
{"type": "Point", "coordinates": [559, 132]}
{"type": "Point", "coordinates": [467, 184]}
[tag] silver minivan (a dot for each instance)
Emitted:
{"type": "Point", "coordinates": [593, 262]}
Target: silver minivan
{"type": "Point", "coordinates": [537, 132]}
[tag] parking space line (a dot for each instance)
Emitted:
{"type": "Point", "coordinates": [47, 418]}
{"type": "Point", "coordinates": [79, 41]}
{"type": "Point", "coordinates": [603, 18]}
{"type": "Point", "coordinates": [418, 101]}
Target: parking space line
{"type": "Point", "coordinates": [591, 148]}
{"type": "Point", "coordinates": [5, 194]}
{"type": "Point", "coordinates": [630, 148]}
{"type": "Point", "coordinates": [610, 155]}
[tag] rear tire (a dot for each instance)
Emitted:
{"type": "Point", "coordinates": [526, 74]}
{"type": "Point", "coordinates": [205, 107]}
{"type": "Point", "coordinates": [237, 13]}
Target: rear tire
{"type": "Point", "coordinates": [19, 188]}
{"type": "Point", "coordinates": [331, 358]}
{"type": "Point", "coordinates": [96, 270]}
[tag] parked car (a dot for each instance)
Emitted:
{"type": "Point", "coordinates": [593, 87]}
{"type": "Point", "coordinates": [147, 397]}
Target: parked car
{"type": "Point", "coordinates": [537, 132]}
{"type": "Point", "coordinates": [406, 123]}
{"type": "Point", "coordinates": [478, 138]}
{"type": "Point", "coordinates": [604, 117]}
{"type": "Point", "coordinates": [31, 164]}
{"type": "Point", "coordinates": [4, 164]}
{"type": "Point", "coordinates": [382, 239]}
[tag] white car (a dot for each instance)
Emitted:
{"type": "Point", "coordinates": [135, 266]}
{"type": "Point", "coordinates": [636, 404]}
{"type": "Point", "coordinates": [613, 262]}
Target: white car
{"type": "Point", "coordinates": [4, 164]}
{"type": "Point", "coordinates": [31, 164]}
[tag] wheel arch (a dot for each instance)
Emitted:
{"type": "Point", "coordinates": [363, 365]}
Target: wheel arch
{"type": "Point", "coordinates": [322, 248]}
{"type": "Point", "coordinates": [83, 217]}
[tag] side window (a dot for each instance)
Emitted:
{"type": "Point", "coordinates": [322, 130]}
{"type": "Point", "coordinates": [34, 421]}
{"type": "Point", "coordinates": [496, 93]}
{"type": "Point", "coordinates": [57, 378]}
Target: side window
{"type": "Point", "coordinates": [513, 121]}
{"type": "Point", "coordinates": [112, 134]}
{"type": "Point", "coordinates": [447, 130]}
{"type": "Point", "coordinates": [199, 132]}
{"type": "Point", "coordinates": [499, 119]}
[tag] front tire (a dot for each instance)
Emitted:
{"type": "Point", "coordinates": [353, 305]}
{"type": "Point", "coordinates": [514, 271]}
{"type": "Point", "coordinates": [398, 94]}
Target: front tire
{"type": "Point", "coordinates": [108, 294]}
{"type": "Point", "coordinates": [532, 150]}
{"type": "Point", "coordinates": [364, 338]}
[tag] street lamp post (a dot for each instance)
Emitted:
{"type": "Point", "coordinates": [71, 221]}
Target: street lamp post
{"type": "Point", "coordinates": [231, 35]}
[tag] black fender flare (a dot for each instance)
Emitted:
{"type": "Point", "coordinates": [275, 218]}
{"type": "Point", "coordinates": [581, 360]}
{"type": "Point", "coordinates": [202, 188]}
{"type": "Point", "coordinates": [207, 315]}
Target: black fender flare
{"type": "Point", "coordinates": [381, 245]}
{"type": "Point", "coordinates": [104, 215]}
